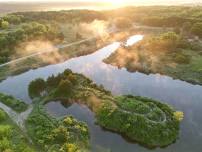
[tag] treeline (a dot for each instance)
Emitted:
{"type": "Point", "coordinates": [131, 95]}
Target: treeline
{"type": "Point", "coordinates": [13, 19]}
{"type": "Point", "coordinates": [168, 41]}
{"type": "Point", "coordinates": [63, 16]}
{"type": "Point", "coordinates": [9, 39]}
{"type": "Point", "coordinates": [64, 82]}
{"type": "Point", "coordinates": [163, 16]}
{"type": "Point", "coordinates": [21, 27]}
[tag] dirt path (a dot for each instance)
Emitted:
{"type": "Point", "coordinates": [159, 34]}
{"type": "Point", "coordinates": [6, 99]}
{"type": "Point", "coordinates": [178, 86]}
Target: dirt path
{"type": "Point", "coordinates": [145, 115]}
{"type": "Point", "coordinates": [18, 118]}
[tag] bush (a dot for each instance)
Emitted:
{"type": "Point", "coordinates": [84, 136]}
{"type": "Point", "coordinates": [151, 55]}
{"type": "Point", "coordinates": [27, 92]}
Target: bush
{"type": "Point", "coordinates": [123, 23]}
{"type": "Point", "coordinates": [182, 58]}
{"type": "Point", "coordinates": [13, 19]}
{"type": "Point", "coordinates": [197, 29]}
{"type": "Point", "coordinates": [4, 24]}
{"type": "Point", "coordinates": [13, 103]}
{"type": "Point", "coordinates": [72, 78]}
{"type": "Point", "coordinates": [48, 132]}
{"type": "Point", "coordinates": [5, 131]}
{"type": "Point", "coordinates": [2, 115]}
{"type": "Point", "coordinates": [178, 115]}
{"type": "Point", "coordinates": [5, 145]}
{"type": "Point", "coordinates": [64, 87]}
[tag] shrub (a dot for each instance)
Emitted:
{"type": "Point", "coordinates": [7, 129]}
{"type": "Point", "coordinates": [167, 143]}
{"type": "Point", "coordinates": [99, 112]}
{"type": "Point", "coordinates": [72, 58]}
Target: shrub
{"type": "Point", "coordinates": [197, 29]}
{"type": "Point", "coordinates": [182, 58]}
{"type": "Point", "coordinates": [123, 23]}
{"type": "Point", "coordinates": [178, 115]}
{"type": "Point", "coordinates": [72, 78]}
{"type": "Point", "coordinates": [64, 87]}
{"type": "Point", "coordinates": [5, 131]}
{"type": "Point", "coordinates": [5, 144]}
{"type": "Point", "coordinates": [4, 24]}
{"type": "Point", "coordinates": [13, 103]}
{"type": "Point", "coordinates": [2, 115]}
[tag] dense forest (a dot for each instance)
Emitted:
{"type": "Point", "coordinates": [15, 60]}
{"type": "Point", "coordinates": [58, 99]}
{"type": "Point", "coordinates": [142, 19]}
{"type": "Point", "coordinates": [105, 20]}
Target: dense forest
{"type": "Point", "coordinates": [16, 30]}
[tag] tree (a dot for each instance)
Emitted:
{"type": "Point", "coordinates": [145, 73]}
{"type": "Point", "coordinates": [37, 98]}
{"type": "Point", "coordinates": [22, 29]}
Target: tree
{"type": "Point", "coordinates": [165, 42]}
{"type": "Point", "coordinates": [52, 81]}
{"type": "Point", "coordinates": [123, 23]}
{"type": "Point", "coordinates": [178, 115]}
{"type": "Point", "coordinates": [13, 19]}
{"type": "Point", "coordinates": [2, 115]}
{"type": "Point", "coordinates": [72, 78]}
{"type": "Point", "coordinates": [171, 36]}
{"type": "Point", "coordinates": [36, 87]}
{"type": "Point", "coordinates": [67, 72]}
{"type": "Point", "coordinates": [5, 144]}
{"type": "Point", "coordinates": [60, 134]}
{"type": "Point", "coordinates": [186, 27]}
{"type": "Point", "coordinates": [4, 24]}
{"type": "Point", "coordinates": [5, 131]}
{"type": "Point", "coordinates": [70, 147]}
{"type": "Point", "coordinates": [197, 29]}
{"type": "Point", "coordinates": [177, 30]}
{"type": "Point", "coordinates": [65, 87]}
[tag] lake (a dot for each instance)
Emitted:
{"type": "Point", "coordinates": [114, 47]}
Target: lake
{"type": "Point", "coordinates": [182, 95]}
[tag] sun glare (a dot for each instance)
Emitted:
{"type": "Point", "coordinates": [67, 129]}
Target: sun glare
{"type": "Point", "coordinates": [115, 2]}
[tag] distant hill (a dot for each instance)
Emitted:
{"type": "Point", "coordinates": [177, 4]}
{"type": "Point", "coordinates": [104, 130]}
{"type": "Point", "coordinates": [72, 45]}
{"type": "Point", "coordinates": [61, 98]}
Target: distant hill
{"type": "Point", "coordinates": [192, 4]}
{"type": "Point", "coordinates": [45, 6]}
{"type": "Point", "coordinates": [9, 7]}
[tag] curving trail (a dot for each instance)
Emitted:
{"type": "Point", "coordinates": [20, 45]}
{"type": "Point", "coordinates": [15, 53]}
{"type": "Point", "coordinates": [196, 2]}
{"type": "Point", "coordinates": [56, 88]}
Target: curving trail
{"type": "Point", "coordinates": [40, 52]}
{"type": "Point", "coordinates": [18, 118]}
{"type": "Point", "coordinates": [145, 115]}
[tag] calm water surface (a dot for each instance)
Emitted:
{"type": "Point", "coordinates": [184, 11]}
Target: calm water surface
{"type": "Point", "coordinates": [184, 96]}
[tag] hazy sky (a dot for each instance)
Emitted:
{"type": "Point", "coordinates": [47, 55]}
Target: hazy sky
{"type": "Point", "coordinates": [125, 1]}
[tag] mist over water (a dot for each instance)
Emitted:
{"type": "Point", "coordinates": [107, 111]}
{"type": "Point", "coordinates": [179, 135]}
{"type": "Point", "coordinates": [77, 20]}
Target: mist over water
{"type": "Point", "coordinates": [181, 95]}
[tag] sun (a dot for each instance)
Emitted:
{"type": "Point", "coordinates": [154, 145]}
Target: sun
{"type": "Point", "coordinates": [115, 2]}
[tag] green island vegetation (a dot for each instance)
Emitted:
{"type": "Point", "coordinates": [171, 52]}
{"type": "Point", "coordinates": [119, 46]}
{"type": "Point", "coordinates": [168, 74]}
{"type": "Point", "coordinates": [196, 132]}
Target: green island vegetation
{"type": "Point", "coordinates": [50, 134]}
{"type": "Point", "coordinates": [12, 139]}
{"type": "Point", "coordinates": [13, 103]}
{"type": "Point", "coordinates": [39, 132]}
{"type": "Point", "coordinates": [140, 119]}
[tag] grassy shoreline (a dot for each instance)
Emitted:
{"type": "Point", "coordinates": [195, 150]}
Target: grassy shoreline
{"type": "Point", "coordinates": [62, 55]}
{"type": "Point", "coordinates": [15, 104]}
{"type": "Point", "coordinates": [52, 134]}
{"type": "Point", "coordinates": [155, 54]}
